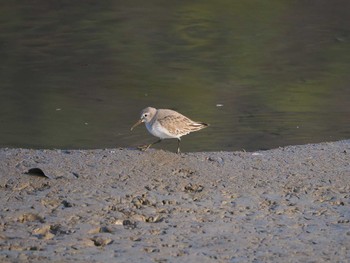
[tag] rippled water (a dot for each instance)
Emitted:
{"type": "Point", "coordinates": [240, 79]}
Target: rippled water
{"type": "Point", "coordinates": [75, 74]}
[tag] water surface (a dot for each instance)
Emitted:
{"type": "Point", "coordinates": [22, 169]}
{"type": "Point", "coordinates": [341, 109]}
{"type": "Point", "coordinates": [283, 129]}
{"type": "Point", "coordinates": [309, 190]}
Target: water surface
{"type": "Point", "coordinates": [75, 74]}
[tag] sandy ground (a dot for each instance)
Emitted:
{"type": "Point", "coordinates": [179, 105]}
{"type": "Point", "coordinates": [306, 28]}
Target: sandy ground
{"type": "Point", "coordinates": [289, 204]}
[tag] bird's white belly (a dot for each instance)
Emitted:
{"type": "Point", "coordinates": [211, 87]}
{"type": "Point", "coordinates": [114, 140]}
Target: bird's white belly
{"type": "Point", "coordinates": [159, 131]}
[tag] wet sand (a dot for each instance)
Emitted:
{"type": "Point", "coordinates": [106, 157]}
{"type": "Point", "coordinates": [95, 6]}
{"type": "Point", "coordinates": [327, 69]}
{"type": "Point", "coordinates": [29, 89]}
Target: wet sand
{"type": "Point", "coordinates": [289, 204]}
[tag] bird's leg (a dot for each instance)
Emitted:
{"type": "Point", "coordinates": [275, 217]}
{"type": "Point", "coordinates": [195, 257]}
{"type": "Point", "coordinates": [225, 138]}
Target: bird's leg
{"type": "Point", "coordinates": [178, 145]}
{"type": "Point", "coordinates": [145, 147]}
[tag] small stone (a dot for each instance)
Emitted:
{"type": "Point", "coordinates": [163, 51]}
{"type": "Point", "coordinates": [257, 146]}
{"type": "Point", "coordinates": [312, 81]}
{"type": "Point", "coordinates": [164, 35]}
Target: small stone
{"type": "Point", "coordinates": [30, 217]}
{"type": "Point", "coordinates": [129, 224]}
{"type": "Point", "coordinates": [99, 241]}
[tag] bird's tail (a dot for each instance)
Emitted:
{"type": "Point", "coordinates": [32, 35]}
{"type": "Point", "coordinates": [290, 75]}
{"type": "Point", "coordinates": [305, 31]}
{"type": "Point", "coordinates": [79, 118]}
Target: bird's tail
{"type": "Point", "coordinates": [200, 125]}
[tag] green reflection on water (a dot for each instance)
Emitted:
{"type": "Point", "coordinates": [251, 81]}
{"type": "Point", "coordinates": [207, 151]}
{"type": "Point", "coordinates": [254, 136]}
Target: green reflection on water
{"type": "Point", "coordinates": [76, 74]}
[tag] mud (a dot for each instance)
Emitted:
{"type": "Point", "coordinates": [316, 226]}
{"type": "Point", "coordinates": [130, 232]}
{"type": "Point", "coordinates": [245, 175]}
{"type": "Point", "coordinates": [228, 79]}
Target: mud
{"type": "Point", "coordinates": [289, 204]}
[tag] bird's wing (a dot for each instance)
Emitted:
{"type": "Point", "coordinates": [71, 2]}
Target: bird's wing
{"type": "Point", "coordinates": [179, 124]}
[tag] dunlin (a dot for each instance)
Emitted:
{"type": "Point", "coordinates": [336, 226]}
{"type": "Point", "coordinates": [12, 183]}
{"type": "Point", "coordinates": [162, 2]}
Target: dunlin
{"type": "Point", "coordinates": [167, 124]}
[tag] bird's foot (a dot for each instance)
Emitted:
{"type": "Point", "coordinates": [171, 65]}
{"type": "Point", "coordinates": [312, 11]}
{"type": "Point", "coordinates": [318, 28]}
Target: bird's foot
{"type": "Point", "coordinates": [144, 147]}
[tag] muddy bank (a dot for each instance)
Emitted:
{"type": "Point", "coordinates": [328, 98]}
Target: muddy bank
{"type": "Point", "coordinates": [117, 205]}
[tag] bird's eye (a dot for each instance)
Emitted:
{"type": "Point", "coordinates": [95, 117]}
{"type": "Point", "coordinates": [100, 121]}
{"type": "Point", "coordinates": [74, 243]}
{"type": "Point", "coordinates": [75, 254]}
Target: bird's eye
{"type": "Point", "coordinates": [145, 115]}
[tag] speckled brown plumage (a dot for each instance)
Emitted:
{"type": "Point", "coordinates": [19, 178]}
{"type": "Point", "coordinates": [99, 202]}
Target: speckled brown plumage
{"type": "Point", "coordinates": [178, 124]}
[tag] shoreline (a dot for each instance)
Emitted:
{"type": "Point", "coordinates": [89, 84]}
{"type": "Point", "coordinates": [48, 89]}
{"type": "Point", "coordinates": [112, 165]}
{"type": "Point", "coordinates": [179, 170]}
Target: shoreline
{"type": "Point", "coordinates": [107, 205]}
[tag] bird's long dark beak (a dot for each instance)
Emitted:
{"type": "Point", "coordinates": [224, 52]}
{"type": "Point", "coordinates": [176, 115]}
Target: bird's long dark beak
{"type": "Point", "coordinates": [137, 123]}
